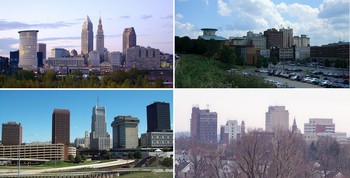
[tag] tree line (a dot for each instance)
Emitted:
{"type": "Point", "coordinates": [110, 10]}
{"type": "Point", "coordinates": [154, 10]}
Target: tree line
{"type": "Point", "coordinates": [118, 79]}
{"type": "Point", "coordinates": [285, 154]}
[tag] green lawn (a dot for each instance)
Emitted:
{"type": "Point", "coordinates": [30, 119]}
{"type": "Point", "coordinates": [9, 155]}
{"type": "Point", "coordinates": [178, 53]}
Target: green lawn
{"type": "Point", "coordinates": [51, 164]}
{"type": "Point", "coordinates": [197, 71]}
{"type": "Point", "coordinates": [149, 175]}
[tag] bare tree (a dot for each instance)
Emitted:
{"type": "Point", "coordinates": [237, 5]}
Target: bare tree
{"type": "Point", "coordinates": [287, 154]}
{"type": "Point", "coordinates": [251, 154]}
{"type": "Point", "coordinates": [327, 151]}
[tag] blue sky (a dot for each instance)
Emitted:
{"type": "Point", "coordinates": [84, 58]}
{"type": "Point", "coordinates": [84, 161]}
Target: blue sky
{"type": "Point", "coordinates": [60, 22]}
{"type": "Point", "coordinates": [34, 108]}
{"type": "Point", "coordinates": [328, 19]}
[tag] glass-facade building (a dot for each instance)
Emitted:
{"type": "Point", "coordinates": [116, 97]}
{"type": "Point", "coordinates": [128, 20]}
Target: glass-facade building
{"type": "Point", "coordinates": [87, 37]}
{"type": "Point", "coordinates": [125, 132]}
{"type": "Point", "coordinates": [28, 49]}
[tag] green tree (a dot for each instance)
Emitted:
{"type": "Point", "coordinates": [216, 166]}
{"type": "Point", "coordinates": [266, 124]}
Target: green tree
{"type": "Point", "coordinates": [338, 63]}
{"type": "Point", "coordinates": [178, 46]}
{"type": "Point", "coordinates": [144, 71]}
{"type": "Point", "coordinates": [165, 149]}
{"type": "Point", "coordinates": [327, 63]}
{"type": "Point", "coordinates": [78, 158]}
{"type": "Point", "coordinates": [126, 84]}
{"type": "Point", "coordinates": [228, 55]}
{"type": "Point", "coordinates": [138, 83]}
{"type": "Point", "coordinates": [265, 62]}
{"type": "Point", "coordinates": [258, 63]}
{"type": "Point", "coordinates": [186, 44]}
{"type": "Point", "coordinates": [130, 155]}
{"type": "Point", "coordinates": [50, 75]}
{"type": "Point", "coordinates": [202, 46]}
{"type": "Point", "coordinates": [138, 154]}
{"type": "Point", "coordinates": [71, 158]}
{"type": "Point", "coordinates": [83, 157]}
{"type": "Point", "coordinates": [133, 73]}
{"type": "Point", "coordinates": [213, 47]}
{"type": "Point", "coordinates": [167, 162]}
{"type": "Point", "coordinates": [274, 60]}
{"type": "Point", "coordinates": [240, 60]}
{"type": "Point", "coordinates": [118, 76]}
{"type": "Point", "coordinates": [158, 83]}
{"type": "Point", "coordinates": [77, 74]}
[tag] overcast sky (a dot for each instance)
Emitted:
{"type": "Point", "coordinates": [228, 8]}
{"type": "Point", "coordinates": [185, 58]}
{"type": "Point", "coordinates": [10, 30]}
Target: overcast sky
{"type": "Point", "coordinates": [327, 19]}
{"type": "Point", "coordinates": [251, 105]}
{"type": "Point", "coordinates": [60, 22]}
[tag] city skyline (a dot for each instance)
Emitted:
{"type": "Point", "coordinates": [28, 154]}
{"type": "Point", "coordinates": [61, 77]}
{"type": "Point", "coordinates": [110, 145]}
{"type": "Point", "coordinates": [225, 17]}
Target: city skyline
{"type": "Point", "coordinates": [251, 106]}
{"type": "Point", "coordinates": [236, 18]}
{"type": "Point", "coordinates": [40, 104]}
{"type": "Point", "coordinates": [153, 22]}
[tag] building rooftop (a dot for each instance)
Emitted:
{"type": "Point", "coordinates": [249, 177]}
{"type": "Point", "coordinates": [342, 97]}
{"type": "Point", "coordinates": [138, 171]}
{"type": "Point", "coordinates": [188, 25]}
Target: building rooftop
{"type": "Point", "coordinates": [217, 38]}
{"type": "Point", "coordinates": [28, 31]}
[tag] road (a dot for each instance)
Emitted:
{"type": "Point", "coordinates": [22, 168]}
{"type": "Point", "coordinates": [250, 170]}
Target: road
{"type": "Point", "coordinates": [93, 166]}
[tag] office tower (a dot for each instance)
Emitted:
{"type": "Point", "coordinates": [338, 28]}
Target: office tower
{"type": "Point", "coordinates": [277, 118]}
{"type": "Point", "coordinates": [11, 133]}
{"type": "Point", "coordinates": [141, 57]}
{"type": "Point", "coordinates": [61, 126]}
{"type": "Point", "coordinates": [27, 49]}
{"type": "Point", "coordinates": [94, 59]}
{"type": "Point", "coordinates": [42, 48]}
{"type": "Point", "coordinates": [39, 55]}
{"type": "Point", "coordinates": [319, 125]}
{"type": "Point", "coordinates": [125, 132]}
{"type": "Point", "coordinates": [230, 131]}
{"type": "Point", "coordinates": [158, 117]}
{"type": "Point", "coordinates": [99, 138]}
{"type": "Point", "coordinates": [204, 125]}
{"type": "Point", "coordinates": [87, 37]}
{"type": "Point", "coordinates": [129, 39]}
{"type": "Point", "coordinates": [115, 58]}
{"type": "Point", "coordinates": [274, 38]}
{"type": "Point", "coordinates": [59, 52]}
{"type": "Point", "coordinates": [288, 39]}
{"type": "Point", "coordinates": [100, 41]}
{"type": "Point", "coordinates": [87, 139]}
{"type": "Point", "coordinates": [242, 129]}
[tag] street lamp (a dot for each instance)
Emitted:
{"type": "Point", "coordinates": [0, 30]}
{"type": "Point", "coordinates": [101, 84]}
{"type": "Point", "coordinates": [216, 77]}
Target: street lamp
{"type": "Point", "coordinates": [19, 150]}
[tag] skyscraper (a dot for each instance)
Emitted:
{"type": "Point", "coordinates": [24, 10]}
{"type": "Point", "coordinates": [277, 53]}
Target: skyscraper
{"type": "Point", "coordinates": [28, 49]}
{"type": "Point", "coordinates": [61, 126]}
{"type": "Point", "coordinates": [230, 131]}
{"type": "Point", "coordinates": [125, 132]}
{"type": "Point", "coordinates": [204, 125]}
{"type": "Point", "coordinates": [11, 133]}
{"type": "Point", "coordinates": [87, 37]}
{"type": "Point", "coordinates": [277, 118]}
{"type": "Point", "coordinates": [158, 117]}
{"type": "Point", "coordinates": [42, 48]}
{"type": "Point", "coordinates": [99, 138]}
{"type": "Point", "coordinates": [288, 39]}
{"type": "Point", "coordinates": [129, 39]}
{"type": "Point", "coordinates": [100, 41]}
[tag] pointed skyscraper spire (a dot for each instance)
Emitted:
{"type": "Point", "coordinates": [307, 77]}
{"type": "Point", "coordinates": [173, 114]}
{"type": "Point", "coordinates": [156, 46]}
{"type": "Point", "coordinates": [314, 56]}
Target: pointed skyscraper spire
{"type": "Point", "coordinates": [294, 127]}
{"type": "Point", "coordinates": [100, 40]}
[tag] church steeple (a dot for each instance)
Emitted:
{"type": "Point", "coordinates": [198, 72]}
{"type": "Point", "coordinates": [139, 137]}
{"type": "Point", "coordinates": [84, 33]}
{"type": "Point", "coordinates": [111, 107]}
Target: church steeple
{"type": "Point", "coordinates": [294, 127]}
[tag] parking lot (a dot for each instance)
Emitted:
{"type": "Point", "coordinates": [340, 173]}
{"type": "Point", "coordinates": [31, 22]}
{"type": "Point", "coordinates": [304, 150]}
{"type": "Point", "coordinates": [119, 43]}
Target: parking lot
{"type": "Point", "coordinates": [290, 76]}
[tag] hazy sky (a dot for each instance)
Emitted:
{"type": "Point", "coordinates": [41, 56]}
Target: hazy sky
{"type": "Point", "coordinates": [251, 105]}
{"type": "Point", "coordinates": [60, 22]}
{"type": "Point", "coordinates": [34, 108]}
{"type": "Point", "coordinates": [328, 19]}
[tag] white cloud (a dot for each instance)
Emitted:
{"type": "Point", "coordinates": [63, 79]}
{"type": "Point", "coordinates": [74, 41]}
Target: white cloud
{"type": "Point", "coordinates": [207, 2]}
{"type": "Point", "coordinates": [334, 8]}
{"type": "Point", "coordinates": [75, 127]}
{"type": "Point", "coordinates": [224, 9]}
{"type": "Point", "coordinates": [188, 29]}
{"type": "Point", "coordinates": [179, 16]}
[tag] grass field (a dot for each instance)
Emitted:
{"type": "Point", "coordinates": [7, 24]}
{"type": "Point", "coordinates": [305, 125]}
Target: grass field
{"type": "Point", "coordinates": [51, 164]}
{"type": "Point", "coordinates": [197, 71]}
{"type": "Point", "coordinates": [149, 175]}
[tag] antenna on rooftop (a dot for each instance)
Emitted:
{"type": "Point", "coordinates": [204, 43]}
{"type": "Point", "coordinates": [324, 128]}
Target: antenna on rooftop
{"type": "Point", "coordinates": [208, 106]}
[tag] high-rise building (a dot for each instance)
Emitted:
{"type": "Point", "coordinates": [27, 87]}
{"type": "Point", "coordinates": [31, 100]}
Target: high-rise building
{"type": "Point", "coordinates": [242, 129]}
{"type": "Point", "coordinates": [204, 125]}
{"type": "Point", "coordinates": [42, 48]}
{"type": "Point", "coordinates": [274, 38]}
{"type": "Point", "coordinates": [100, 41]}
{"type": "Point", "coordinates": [94, 59]}
{"type": "Point", "coordinates": [28, 49]}
{"type": "Point", "coordinates": [277, 118]}
{"type": "Point", "coordinates": [87, 37]}
{"type": "Point", "coordinates": [99, 138]}
{"type": "Point", "coordinates": [11, 133]}
{"type": "Point", "coordinates": [288, 39]}
{"type": "Point", "coordinates": [230, 131]}
{"type": "Point", "coordinates": [302, 41]}
{"type": "Point", "coordinates": [125, 132]}
{"type": "Point", "coordinates": [87, 139]}
{"type": "Point", "coordinates": [59, 52]}
{"type": "Point", "coordinates": [115, 58]}
{"type": "Point", "coordinates": [158, 117]}
{"type": "Point", "coordinates": [319, 125]}
{"type": "Point", "coordinates": [61, 126]}
{"type": "Point", "coordinates": [129, 39]}
{"type": "Point", "coordinates": [142, 58]}
{"type": "Point", "coordinates": [294, 127]}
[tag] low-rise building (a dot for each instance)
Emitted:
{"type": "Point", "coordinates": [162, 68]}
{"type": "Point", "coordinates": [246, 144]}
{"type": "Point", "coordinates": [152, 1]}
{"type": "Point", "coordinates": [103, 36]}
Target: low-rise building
{"type": "Point", "coordinates": [157, 139]}
{"type": "Point", "coordinates": [46, 151]}
{"type": "Point", "coordinates": [142, 58]}
{"type": "Point", "coordinates": [66, 61]}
